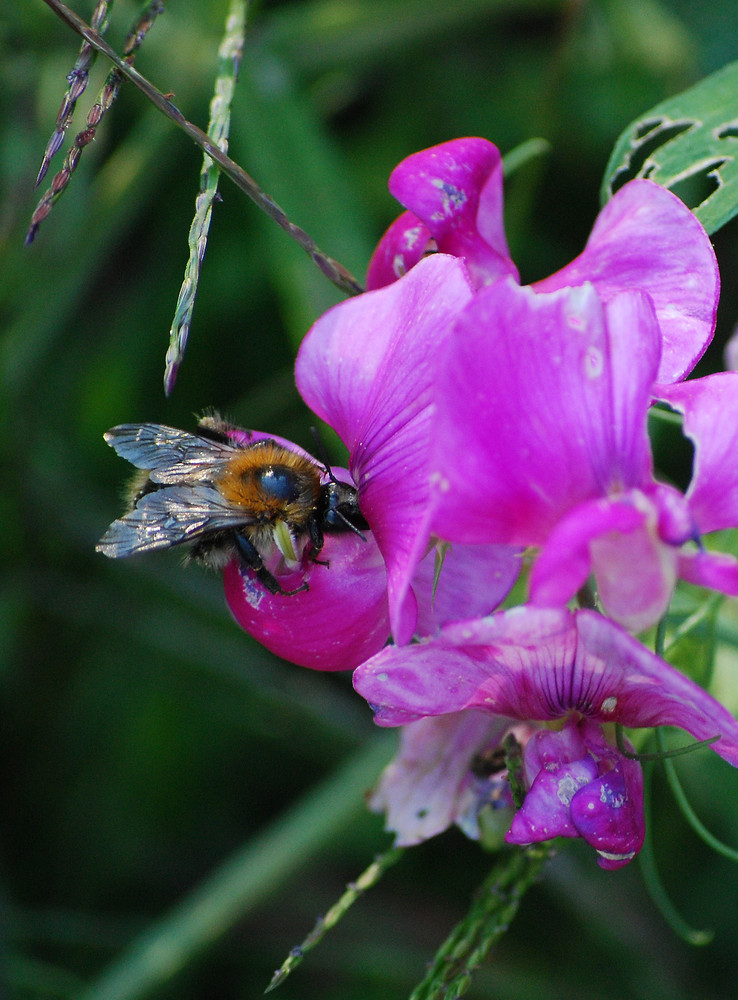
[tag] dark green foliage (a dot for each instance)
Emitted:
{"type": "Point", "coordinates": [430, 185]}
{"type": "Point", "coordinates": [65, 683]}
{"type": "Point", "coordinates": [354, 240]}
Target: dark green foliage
{"type": "Point", "coordinates": [144, 739]}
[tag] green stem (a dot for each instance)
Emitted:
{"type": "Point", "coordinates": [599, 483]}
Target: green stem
{"type": "Point", "coordinates": [334, 271]}
{"type": "Point", "coordinates": [242, 882]}
{"type": "Point", "coordinates": [229, 58]}
{"type": "Point", "coordinates": [496, 904]}
{"type": "Point", "coordinates": [368, 878]}
{"type": "Point", "coordinates": [653, 882]}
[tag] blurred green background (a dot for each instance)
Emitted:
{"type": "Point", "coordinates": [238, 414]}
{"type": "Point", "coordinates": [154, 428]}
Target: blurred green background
{"type": "Point", "coordinates": [144, 739]}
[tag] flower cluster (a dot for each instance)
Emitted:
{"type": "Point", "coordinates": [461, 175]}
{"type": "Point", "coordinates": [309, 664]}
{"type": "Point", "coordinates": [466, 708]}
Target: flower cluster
{"type": "Point", "coordinates": [487, 421]}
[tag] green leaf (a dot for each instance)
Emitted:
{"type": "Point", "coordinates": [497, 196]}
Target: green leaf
{"type": "Point", "coordinates": [689, 144]}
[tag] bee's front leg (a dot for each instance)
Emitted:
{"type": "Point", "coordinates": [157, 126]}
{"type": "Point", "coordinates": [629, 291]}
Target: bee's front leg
{"type": "Point", "coordinates": [251, 558]}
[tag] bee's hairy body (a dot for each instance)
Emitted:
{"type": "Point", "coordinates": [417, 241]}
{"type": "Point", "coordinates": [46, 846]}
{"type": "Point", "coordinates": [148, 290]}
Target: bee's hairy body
{"type": "Point", "coordinates": [227, 499]}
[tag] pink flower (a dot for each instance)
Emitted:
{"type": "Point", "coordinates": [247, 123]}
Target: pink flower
{"type": "Point", "coordinates": [540, 440]}
{"type": "Point", "coordinates": [367, 367]}
{"type": "Point", "coordinates": [535, 665]}
{"type": "Point", "coordinates": [644, 238]}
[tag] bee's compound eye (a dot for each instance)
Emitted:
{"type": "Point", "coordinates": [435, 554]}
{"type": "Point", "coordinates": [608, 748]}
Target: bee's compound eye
{"type": "Point", "coordinates": [279, 483]}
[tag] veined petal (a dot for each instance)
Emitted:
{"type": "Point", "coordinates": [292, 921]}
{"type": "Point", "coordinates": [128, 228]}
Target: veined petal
{"type": "Point", "coordinates": [402, 246]}
{"type": "Point", "coordinates": [646, 238]}
{"type": "Point", "coordinates": [532, 664]}
{"type": "Point", "coordinates": [537, 410]}
{"type": "Point", "coordinates": [455, 189]}
{"type": "Point", "coordinates": [710, 408]}
{"type": "Point", "coordinates": [334, 625]}
{"type": "Point", "coordinates": [367, 367]}
{"type": "Point", "coordinates": [451, 671]}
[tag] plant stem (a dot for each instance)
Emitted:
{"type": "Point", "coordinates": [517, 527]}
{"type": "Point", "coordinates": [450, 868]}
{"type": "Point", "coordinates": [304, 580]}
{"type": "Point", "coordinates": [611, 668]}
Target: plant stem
{"type": "Point", "coordinates": [242, 881]}
{"type": "Point", "coordinates": [334, 271]}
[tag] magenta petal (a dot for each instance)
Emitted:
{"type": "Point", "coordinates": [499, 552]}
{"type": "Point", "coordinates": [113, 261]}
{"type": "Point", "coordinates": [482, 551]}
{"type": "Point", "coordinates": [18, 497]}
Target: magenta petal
{"type": "Point", "coordinates": [422, 791]}
{"type": "Point", "coordinates": [402, 246]}
{"type": "Point", "coordinates": [533, 664]}
{"type": "Point", "coordinates": [579, 785]}
{"type": "Point", "coordinates": [618, 541]}
{"type": "Point", "coordinates": [565, 561]}
{"type": "Point", "coordinates": [545, 811]}
{"type": "Point", "coordinates": [474, 580]}
{"type": "Point", "coordinates": [456, 190]}
{"type": "Point", "coordinates": [634, 353]}
{"type": "Point", "coordinates": [645, 238]}
{"type": "Point", "coordinates": [710, 408]}
{"type": "Point", "coordinates": [633, 686]}
{"type": "Point", "coordinates": [336, 624]}
{"type": "Point", "coordinates": [367, 367]}
{"type": "Point", "coordinates": [636, 573]}
{"type": "Point", "coordinates": [608, 814]}
{"type": "Point", "coordinates": [535, 412]}
{"type": "Point", "coordinates": [716, 570]}
{"type": "Point", "coordinates": [498, 664]}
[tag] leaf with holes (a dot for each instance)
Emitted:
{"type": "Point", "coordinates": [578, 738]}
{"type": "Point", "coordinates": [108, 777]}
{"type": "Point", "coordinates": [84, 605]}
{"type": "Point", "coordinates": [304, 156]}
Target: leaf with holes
{"type": "Point", "coordinates": [688, 144]}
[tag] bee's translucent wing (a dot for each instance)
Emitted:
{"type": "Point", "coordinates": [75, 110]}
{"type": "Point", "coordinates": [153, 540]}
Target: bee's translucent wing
{"type": "Point", "coordinates": [169, 455]}
{"type": "Point", "coordinates": [170, 516]}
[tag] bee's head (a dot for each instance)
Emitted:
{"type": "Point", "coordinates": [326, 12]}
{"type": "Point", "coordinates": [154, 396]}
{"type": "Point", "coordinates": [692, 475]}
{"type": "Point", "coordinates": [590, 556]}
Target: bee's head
{"type": "Point", "coordinates": [340, 507]}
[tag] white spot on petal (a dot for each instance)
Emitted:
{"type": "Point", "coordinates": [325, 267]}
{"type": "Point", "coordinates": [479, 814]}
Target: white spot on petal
{"type": "Point", "coordinates": [609, 704]}
{"type": "Point", "coordinates": [253, 593]}
{"type": "Point", "coordinates": [398, 265]}
{"type": "Point", "coordinates": [593, 362]}
{"type": "Point", "coordinates": [566, 789]}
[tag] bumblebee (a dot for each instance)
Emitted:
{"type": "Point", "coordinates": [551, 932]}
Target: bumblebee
{"type": "Point", "coordinates": [256, 501]}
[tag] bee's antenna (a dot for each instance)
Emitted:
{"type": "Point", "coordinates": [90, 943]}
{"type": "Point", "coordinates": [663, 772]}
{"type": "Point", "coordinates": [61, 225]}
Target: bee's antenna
{"type": "Point", "coordinates": [322, 454]}
{"type": "Point", "coordinates": [349, 525]}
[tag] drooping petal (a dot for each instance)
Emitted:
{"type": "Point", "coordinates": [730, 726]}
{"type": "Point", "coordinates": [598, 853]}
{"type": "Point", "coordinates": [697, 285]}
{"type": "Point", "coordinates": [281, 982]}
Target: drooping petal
{"type": "Point", "coordinates": [542, 664]}
{"type": "Point", "coordinates": [422, 791]}
{"type": "Point", "coordinates": [334, 625]}
{"type": "Point", "coordinates": [710, 408]}
{"type": "Point", "coordinates": [646, 238]}
{"type": "Point", "coordinates": [367, 367]}
{"type": "Point", "coordinates": [402, 246]}
{"type": "Point", "coordinates": [538, 410]}
{"type": "Point", "coordinates": [636, 573]}
{"type": "Point", "coordinates": [455, 189]}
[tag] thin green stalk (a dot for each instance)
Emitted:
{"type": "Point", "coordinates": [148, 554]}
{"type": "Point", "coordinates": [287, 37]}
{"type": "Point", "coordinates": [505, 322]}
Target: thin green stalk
{"type": "Point", "coordinates": [334, 271]}
{"type": "Point", "coordinates": [229, 58]}
{"type": "Point", "coordinates": [368, 878]}
{"type": "Point", "coordinates": [496, 904]}
{"type": "Point", "coordinates": [242, 882]}
{"type": "Point", "coordinates": [77, 80]}
{"type": "Point", "coordinates": [652, 880]}
{"type": "Point", "coordinates": [688, 812]}
{"type": "Point", "coordinates": [105, 100]}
